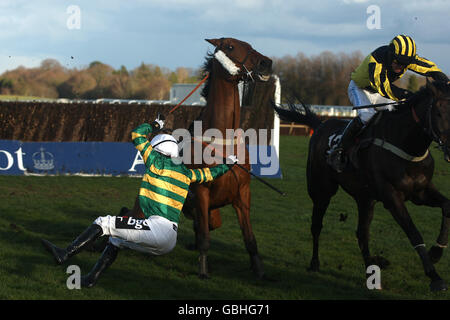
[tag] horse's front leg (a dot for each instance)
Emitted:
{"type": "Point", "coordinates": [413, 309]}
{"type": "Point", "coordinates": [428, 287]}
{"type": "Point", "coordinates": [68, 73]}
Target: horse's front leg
{"type": "Point", "coordinates": [433, 198]}
{"type": "Point", "coordinates": [393, 200]}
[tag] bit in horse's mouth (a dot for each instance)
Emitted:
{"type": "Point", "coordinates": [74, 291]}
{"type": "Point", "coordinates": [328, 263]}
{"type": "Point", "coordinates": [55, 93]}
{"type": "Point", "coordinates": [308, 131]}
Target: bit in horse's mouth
{"type": "Point", "coordinates": [263, 77]}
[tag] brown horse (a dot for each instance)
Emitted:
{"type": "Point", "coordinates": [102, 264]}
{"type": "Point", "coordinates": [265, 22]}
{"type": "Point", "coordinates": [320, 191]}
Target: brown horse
{"type": "Point", "coordinates": [394, 166]}
{"type": "Point", "coordinates": [233, 61]}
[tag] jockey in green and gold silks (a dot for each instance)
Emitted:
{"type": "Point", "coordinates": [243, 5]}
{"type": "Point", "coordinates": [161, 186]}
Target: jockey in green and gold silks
{"type": "Point", "coordinates": [163, 191]}
{"type": "Point", "coordinates": [165, 184]}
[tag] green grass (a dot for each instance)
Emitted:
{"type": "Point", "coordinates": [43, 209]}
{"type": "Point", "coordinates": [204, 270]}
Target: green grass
{"type": "Point", "coordinates": [59, 208]}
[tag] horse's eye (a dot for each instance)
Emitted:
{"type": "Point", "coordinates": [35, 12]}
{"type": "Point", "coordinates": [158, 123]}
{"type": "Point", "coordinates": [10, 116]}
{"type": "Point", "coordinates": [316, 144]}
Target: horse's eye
{"type": "Point", "coordinates": [230, 47]}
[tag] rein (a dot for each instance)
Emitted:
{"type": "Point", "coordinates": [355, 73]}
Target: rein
{"type": "Point", "coordinates": [428, 126]}
{"type": "Point", "coordinates": [198, 85]}
{"type": "Point", "coordinates": [207, 145]}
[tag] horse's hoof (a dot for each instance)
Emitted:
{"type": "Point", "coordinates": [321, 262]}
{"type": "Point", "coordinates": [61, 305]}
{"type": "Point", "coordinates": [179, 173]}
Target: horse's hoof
{"type": "Point", "coordinates": [438, 285]}
{"type": "Point", "coordinates": [435, 254]}
{"type": "Point", "coordinates": [379, 261]}
{"type": "Point", "coordinates": [314, 266]}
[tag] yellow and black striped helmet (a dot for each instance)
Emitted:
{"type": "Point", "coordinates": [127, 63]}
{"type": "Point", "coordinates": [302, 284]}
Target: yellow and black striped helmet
{"type": "Point", "coordinates": [403, 49]}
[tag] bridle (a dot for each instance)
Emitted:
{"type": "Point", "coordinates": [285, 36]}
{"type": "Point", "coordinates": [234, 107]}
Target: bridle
{"type": "Point", "coordinates": [244, 73]}
{"type": "Point", "coordinates": [427, 123]}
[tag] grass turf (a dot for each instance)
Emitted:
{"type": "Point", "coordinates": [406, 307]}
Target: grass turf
{"type": "Point", "coordinates": [59, 208]}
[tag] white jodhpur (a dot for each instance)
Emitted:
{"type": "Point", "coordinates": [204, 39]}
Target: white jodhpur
{"type": "Point", "coordinates": [361, 97]}
{"type": "Point", "coordinates": [155, 235]}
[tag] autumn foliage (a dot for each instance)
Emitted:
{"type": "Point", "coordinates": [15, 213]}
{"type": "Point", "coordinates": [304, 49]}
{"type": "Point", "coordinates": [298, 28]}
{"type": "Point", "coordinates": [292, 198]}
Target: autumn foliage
{"type": "Point", "coordinates": [319, 79]}
{"type": "Point", "coordinates": [98, 80]}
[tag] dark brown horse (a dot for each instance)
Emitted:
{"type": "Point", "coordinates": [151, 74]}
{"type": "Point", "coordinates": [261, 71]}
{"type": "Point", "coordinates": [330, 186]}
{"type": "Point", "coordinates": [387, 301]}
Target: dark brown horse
{"type": "Point", "coordinates": [232, 61]}
{"type": "Point", "coordinates": [384, 173]}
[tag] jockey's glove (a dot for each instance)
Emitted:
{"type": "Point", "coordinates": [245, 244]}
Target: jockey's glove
{"type": "Point", "coordinates": [157, 125]}
{"type": "Point", "coordinates": [232, 160]}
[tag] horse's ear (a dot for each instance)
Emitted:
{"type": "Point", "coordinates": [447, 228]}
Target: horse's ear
{"type": "Point", "coordinates": [431, 86]}
{"type": "Point", "coordinates": [214, 42]}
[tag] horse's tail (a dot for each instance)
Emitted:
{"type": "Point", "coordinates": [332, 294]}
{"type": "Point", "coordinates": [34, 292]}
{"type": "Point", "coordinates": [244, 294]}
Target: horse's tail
{"type": "Point", "coordinates": [294, 114]}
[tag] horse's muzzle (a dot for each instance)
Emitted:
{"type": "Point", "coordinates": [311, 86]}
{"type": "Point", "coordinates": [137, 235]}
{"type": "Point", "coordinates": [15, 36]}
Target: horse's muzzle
{"type": "Point", "coordinates": [264, 69]}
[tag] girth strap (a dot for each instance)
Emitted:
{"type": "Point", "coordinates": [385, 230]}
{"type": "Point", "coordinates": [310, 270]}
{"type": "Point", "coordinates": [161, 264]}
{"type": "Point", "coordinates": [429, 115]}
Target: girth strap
{"type": "Point", "coordinates": [398, 152]}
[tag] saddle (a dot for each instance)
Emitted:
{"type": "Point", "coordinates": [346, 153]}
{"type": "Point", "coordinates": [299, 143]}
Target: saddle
{"type": "Point", "coordinates": [362, 141]}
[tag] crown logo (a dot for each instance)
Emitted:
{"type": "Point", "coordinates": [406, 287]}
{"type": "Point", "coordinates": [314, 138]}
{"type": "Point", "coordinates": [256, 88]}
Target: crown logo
{"type": "Point", "coordinates": [43, 160]}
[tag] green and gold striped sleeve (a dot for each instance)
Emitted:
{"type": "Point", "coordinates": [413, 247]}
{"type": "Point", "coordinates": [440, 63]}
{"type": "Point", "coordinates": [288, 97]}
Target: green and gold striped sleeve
{"type": "Point", "coordinates": [208, 174]}
{"type": "Point", "coordinates": [140, 141]}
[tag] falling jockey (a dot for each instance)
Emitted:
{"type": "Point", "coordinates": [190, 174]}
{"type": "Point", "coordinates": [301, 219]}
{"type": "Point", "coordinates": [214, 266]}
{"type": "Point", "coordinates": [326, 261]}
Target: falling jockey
{"type": "Point", "coordinates": [162, 193]}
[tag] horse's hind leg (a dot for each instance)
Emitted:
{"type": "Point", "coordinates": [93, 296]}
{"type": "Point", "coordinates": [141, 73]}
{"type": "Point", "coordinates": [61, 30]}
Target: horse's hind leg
{"type": "Point", "coordinates": [242, 207]}
{"type": "Point", "coordinates": [365, 215]}
{"type": "Point", "coordinates": [320, 194]}
{"type": "Point", "coordinates": [319, 208]}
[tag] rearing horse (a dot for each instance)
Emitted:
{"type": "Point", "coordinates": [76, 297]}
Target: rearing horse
{"type": "Point", "coordinates": [233, 61]}
{"type": "Point", "coordinates": [393, 166]}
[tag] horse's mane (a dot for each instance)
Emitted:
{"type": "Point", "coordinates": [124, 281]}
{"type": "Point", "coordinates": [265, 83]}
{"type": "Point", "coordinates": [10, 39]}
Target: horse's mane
{"type": "Point", "coordinates": [425, 92]}
{"type": "Point", "coordinates": [207, 68]}
{"type": "Point", "coordinates": [420, 98]}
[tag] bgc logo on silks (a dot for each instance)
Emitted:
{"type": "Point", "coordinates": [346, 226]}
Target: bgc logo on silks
{"type": "Point", "coordinates": [131, 223]}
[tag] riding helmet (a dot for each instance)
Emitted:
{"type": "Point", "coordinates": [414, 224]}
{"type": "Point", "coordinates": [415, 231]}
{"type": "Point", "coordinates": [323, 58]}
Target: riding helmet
{"type": "Point", "coordinates": [165, 144]}
{"type": "Point", "coordinates": [403, 49]}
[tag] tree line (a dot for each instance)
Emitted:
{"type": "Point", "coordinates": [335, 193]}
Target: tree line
{"type": "Point", "coordinates": [98, 80]}
{"type": "Point", "coordinates": [320, 79]}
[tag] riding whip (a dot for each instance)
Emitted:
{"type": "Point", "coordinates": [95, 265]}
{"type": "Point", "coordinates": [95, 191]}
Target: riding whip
{"type": "Point", "coordinates": [246, 170]}
{"type": "Point", "coordinates": [380, 105]}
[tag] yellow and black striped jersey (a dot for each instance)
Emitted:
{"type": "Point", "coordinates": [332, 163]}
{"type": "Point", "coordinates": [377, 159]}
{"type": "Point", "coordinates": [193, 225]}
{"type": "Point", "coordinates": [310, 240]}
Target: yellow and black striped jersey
{"type": "Point", "coordinates": [375, 73]}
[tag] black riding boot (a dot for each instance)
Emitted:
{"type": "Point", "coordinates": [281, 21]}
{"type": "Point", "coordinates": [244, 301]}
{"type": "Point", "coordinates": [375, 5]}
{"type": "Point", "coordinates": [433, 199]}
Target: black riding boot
{"type": "Point", "coordinates": [85, 238]}
{"type": "Point", "coordinates": [337, 158]}
{"type": "Point", "coordinates": [106, 259]}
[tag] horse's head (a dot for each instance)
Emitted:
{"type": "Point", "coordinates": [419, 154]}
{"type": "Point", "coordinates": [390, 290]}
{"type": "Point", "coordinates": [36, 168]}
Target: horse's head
{"type": "Point", "coordinates": [240, 61]}
{"type": "Point", "coordinates": [439, 115]}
